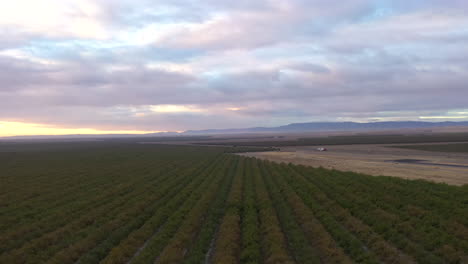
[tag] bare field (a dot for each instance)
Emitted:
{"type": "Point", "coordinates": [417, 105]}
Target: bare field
{"type": "Point", "coordinates": [377, 160]}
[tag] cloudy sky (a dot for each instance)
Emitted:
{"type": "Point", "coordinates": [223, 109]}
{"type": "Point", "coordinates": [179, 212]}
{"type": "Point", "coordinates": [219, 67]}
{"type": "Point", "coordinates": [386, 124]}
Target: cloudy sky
{"type": "Point", "coordinates": [96, 66]}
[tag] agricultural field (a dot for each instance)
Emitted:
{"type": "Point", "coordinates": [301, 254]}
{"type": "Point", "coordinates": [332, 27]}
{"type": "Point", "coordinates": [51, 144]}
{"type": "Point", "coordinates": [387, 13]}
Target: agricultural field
{"type": "Point", "coordinates": [460, 147]}
{"type": "Point", "coordinates": [356, 139]}
{"type": "Point", "coordinates": [381, 159]}
{"type": "Point", "coordinates": [122, 202]}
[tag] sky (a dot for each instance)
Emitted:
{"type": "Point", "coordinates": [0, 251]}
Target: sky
{"type": "Point", "coordinates": [136, 66]}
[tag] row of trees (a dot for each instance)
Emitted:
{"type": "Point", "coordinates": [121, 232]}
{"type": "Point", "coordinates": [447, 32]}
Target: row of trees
{"type": "Point", "coordinates": [193, 205]}
{"type": "Point", "coordinates": [130, 246]}
{"type": "Point", "coordinates": [99, 212]}
{"type": "Point", "coordinates": [389, 216]}
{"type": "Point", "coordinates": [158, 241]}
{"type": "Point", "coordinates": [227, 244]}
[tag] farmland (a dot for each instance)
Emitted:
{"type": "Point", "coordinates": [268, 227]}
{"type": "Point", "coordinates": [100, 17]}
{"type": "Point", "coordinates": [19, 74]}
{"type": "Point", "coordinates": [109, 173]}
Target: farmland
{"type": "Point", "coordinates": [460, 147]}
{"type": "Point", "coordinates": [121, 202]}
{"type": "Point", "coordinates": [347, 139]}
{"type": "Point", "coordinates": [381, 159]}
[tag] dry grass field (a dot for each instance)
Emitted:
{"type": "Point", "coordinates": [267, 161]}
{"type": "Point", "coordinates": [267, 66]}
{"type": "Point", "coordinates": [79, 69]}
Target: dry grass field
{"type": "Point", "coordinates": [377, 160]}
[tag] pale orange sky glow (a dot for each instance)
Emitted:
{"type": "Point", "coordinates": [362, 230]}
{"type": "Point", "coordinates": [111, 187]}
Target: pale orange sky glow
{"type": "Point", "coordinates": [8, 129]}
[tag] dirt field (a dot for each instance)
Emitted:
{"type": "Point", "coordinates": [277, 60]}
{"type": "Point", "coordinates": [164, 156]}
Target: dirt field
{"type": "Point", "coordinates": [378, 160]}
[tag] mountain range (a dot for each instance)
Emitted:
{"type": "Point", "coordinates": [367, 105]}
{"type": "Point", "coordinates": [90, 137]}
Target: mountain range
{"type": "Point", "coordinates": [290, 128]}
{"type": "Point", "coordinates": [330, 126]}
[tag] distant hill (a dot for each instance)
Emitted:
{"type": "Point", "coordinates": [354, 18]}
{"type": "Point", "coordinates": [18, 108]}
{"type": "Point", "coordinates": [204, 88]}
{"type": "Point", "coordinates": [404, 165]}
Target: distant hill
{"type": "Point", "coordinates": [330, 126]}
{"type": "Point", "coordinates": [92, 136]}
{"type": "Point", "coordinates": [291, 128]}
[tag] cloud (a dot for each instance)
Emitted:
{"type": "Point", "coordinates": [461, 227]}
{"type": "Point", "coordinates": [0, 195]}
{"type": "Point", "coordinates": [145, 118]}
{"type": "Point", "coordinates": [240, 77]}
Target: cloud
{"type": "Point", "coordinates": [309, 67]}
{"type": "Point", "coordinates": [186, 64]}
{"type": "Point", "coordinates": [54, 18]}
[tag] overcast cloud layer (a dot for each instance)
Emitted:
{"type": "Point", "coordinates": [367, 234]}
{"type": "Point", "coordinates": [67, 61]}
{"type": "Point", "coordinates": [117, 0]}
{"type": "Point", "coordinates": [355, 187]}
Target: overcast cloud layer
{"type": "Point", "coordinates": [187, 64]}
